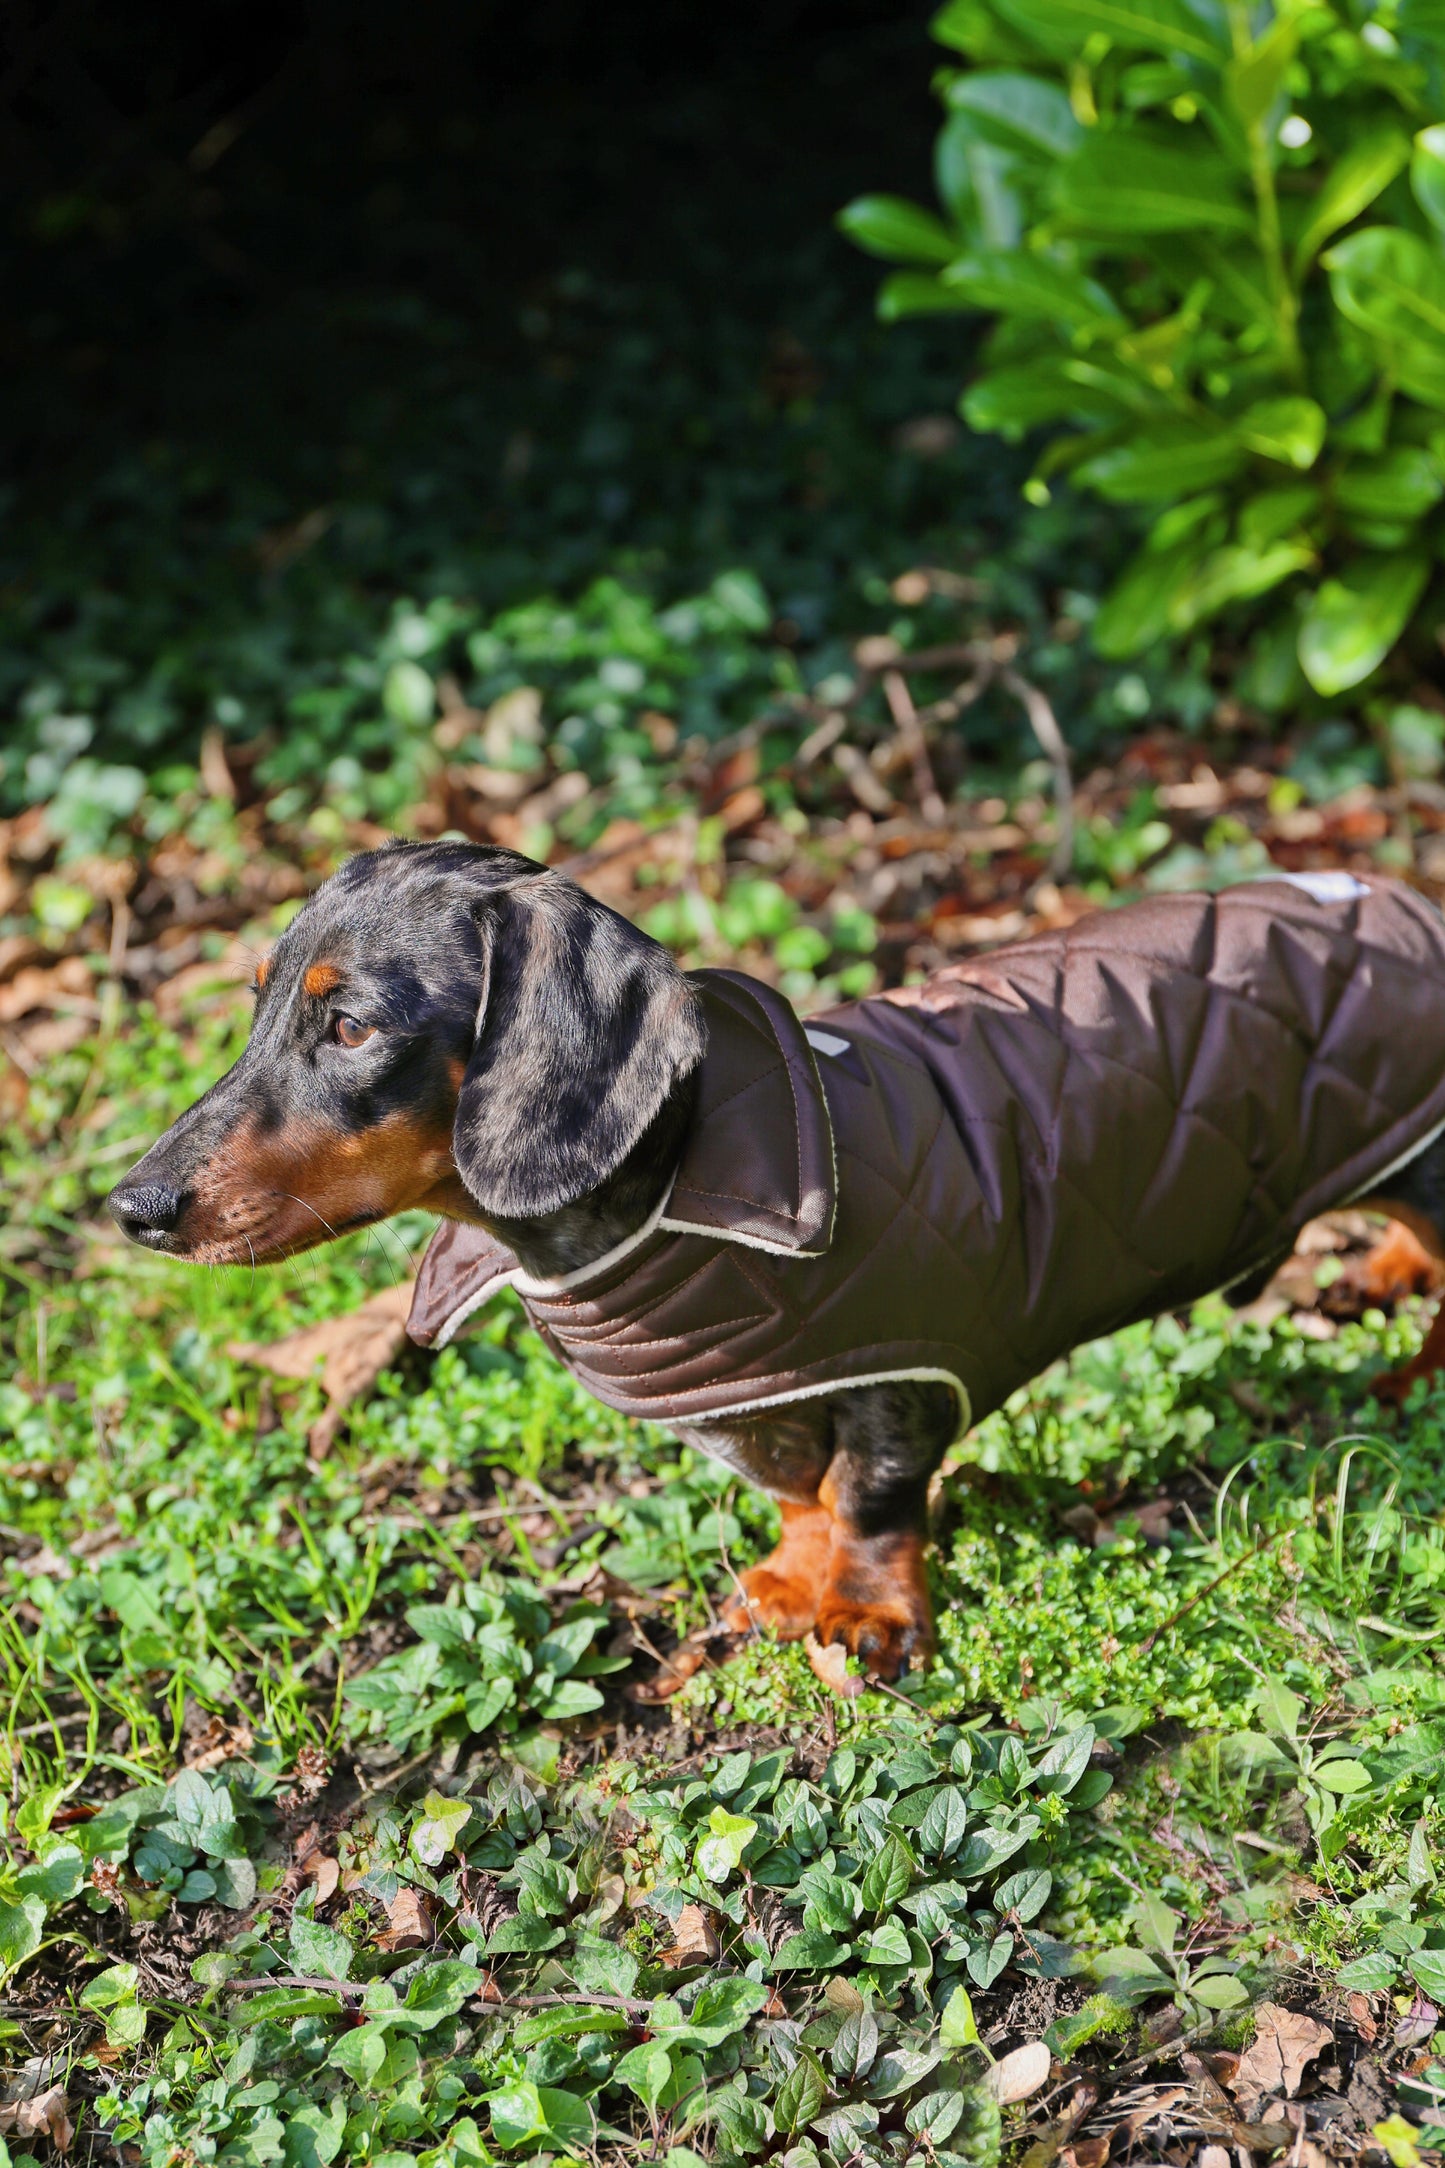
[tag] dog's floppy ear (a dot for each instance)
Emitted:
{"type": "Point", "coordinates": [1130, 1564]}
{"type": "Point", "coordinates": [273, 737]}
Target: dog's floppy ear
{"type": "Point", "coordinates": [583, 1028]}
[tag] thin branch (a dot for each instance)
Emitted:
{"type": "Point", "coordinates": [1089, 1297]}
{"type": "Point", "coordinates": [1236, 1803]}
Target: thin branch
{"type": "Point", "coordinates": [1045, 726]}
{"type": "Point", "coordinates": [910, 731]}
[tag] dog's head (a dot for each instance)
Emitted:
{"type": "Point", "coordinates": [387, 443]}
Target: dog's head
{"type": "Point", "coordinates": [441, 1025]}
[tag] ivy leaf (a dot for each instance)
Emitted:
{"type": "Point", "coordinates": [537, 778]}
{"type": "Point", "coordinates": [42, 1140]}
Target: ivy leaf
{"type": "Point", "coordinates": [317, 1948]}
{"type": "Point", "coordinates": [1024, 1894]}
{"type": "Point", "coordinates": [985, 1965]}
{"type": "Point", "coordinates": [899, 2071]}
{"type": "Point", "coordinates": [720, 2009]}
{"type": "Point", "coordinates": [721, 1852]}
{"type": "Point", "coordinates": [442, 1822]}
{"type": "Point", "coordinates": [856, 2044]}
{"type": "Point", "coordinates": [942, 1829]}
{"type": "Point", "coordinates": [801, 2094]}
{"type": "Point", "coordinates": [957, 2027]}
{"type": "Point", "coordinates": [645, 2071]}
{"type": "Point", "coordinates": [360, 2054]}
{"type": "Point", "coordinates": [21, 1928]}
{"type": "Point", "coordinates": [57, 1877]}
{"type": "Point", "coordinates": [887, 1945]}
{"type": "Point", "coordinates": [887, 1877]}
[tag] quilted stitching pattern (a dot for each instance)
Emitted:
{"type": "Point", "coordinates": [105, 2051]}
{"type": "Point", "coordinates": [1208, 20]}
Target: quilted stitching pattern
{"type": "Point", "coordinates": [1032, 1148]}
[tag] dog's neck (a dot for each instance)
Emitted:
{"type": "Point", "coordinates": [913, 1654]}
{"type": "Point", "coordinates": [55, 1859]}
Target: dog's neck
{"type": "Point", "coordinates": [581, 1232]}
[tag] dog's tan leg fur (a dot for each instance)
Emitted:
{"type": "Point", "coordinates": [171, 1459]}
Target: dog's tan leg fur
{"type": "Point", "coordinates": [1409, 1259]}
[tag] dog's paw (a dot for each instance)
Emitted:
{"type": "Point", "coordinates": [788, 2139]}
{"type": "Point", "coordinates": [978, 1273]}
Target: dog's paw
{"type": "Point", "coordinates": [892, 1634]}
{"type": "Point", "coordinates": [782, 1604]}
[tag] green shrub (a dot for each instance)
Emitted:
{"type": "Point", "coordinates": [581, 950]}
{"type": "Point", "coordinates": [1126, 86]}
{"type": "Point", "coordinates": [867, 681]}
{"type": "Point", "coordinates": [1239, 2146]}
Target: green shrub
{"type": "Point", "coordinates": [1212, 238]}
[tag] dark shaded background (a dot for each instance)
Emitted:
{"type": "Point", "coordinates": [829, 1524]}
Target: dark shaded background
{"type": "Point", "coordinates": [293, 240]}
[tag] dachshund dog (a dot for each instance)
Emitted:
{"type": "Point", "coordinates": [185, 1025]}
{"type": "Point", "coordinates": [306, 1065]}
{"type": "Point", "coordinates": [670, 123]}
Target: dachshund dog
{"type": "Point", "coordinates": [458, 1029]}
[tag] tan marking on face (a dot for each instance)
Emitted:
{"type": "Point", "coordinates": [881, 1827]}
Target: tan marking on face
{"type": "Point", "coordinates": [320, 979]}
{"type": "Point", "coordinates": [262, 968]}
{"type": "Point", "coordinates": [268, 1197]}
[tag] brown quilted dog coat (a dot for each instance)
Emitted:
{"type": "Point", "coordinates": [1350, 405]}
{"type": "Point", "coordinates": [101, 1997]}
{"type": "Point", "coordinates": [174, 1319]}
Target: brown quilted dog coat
{"type": "Point", "coordinates": [965, 1179]}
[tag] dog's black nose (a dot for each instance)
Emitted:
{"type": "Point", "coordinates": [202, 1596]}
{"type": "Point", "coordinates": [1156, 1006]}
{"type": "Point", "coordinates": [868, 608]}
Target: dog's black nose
{"type": "Point", "coordinates": [146, 1214]}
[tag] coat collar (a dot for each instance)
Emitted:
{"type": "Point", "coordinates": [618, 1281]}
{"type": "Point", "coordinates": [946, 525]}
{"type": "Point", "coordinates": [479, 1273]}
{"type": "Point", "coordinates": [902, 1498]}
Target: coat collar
{"type": "Point", "coordinates": [757, 1168]}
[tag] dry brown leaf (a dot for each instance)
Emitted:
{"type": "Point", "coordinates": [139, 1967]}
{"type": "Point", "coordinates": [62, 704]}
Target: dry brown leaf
{"type": "Point", "coordinates": [70, 984]}
{"type": "Point", "coordinates": [686, 1660]}
{"type": "Point", "coordinates": [608, 1898]}
{"type": "Point", "coordinates": [408, 1922]}
{"type": "Point", "coordinates": [1087, 2153]}
{"type": "Point", "coordinates": [1361, 2017]}
{"type": "Point", "coordinates": [696, 1943]}
{"type": "Point", "coordinates": [219, 1742]}
{"type": "Point", "coordinates": [1017, 2076]}
{"type": "Point", "coordinates": [1213, 2156]}
{"type": "Point", "coordinates": [831, 1666]}
{"type": "Point", "coordinates": [1284, 2042]}
{"type": "Point", "coordinates": [1417, 2024]}
{"type": "Point", "coordinates": [317, 1866]}
{"type": "Point", "coordinates": [47, 2112]}
{"type": "Point", "coordinates": [353, 1350]}
{"type": "Point", "coordinates": [325, 1872]}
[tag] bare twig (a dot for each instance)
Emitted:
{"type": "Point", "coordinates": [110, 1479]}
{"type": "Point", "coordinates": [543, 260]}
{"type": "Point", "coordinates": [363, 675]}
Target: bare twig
{"type": "Point", "coordinates": [910, 731]}
{"type": "Point", "coordinates": [861, 780]}
{"type": "Point", "coordinates": [1045, 726]}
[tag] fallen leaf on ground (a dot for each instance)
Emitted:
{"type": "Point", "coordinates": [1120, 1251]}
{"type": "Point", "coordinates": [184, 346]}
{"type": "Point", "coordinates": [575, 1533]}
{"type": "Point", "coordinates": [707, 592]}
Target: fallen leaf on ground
{"type": "Point", "coordinates": [696, 1942]}
{"type": "Point", "coordinates": [1015, 2076]}
{"type": "Point", "coordinates": [831, 1666]}
{"type": "Point", "coordinates": [314, 1865]}
{"type": "Point", "coordinates": [1284, 2042]}
{"type": "Point", "coordinates": [1213, 2156]}
{"type": "Point", "coordinates": [1361, 2017]}
{"type": "Point", "coordinates": [219, 1742]}
{"type": "Point", "coordinates": [47, 2113]}
{"type": "Point", "coordinates": [1089, 2153]}
{"type": "Point", "coordinates": [1417, 2024]}
{"type": "Point", "coordinates": [71, 982]}
{"type": "Point", "coordinates": [353, 1351]}
{"type": "Point", "coordinates": [408, 1922]}
{"type": "Point", "coordinates": [686, 1660]}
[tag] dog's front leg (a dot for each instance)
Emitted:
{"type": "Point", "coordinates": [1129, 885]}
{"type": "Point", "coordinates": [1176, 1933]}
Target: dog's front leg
{"type": "Point", "coordinates": [850, 1471]}
{"type": "Point", "coordinates": [888, 1439]}
{"type": "Point", "coordinates": [786, 1453]}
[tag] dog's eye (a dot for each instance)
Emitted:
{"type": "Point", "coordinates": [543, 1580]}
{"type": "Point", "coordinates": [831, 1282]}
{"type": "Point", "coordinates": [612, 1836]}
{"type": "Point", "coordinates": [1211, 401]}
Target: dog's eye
{"type": "Point", "coordinates": [350, 1033]}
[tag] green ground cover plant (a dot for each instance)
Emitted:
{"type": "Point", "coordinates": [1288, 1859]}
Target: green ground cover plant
{"type": "Point", "coordinates": [331, 1834]}
{"type": "Point", "coordinates": [1209, 240]}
